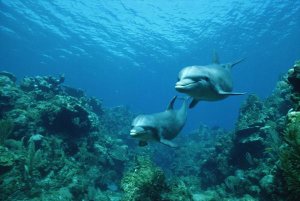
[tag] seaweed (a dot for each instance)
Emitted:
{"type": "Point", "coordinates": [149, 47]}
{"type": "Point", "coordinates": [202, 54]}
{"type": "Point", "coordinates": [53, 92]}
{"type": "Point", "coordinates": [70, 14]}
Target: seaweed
{"type": "Point", "coordinates": [290, 156]}
{"type": "Point", "coordinates": [145, 181]}
{"type": "Point", "coordinates": [6, 127]}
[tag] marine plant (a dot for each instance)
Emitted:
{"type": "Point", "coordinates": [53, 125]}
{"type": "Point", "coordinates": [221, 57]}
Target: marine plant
{"type": "Point", "coordinates": [33, 159]}
{"type": "Point", "coordinates": [290, 156]}
{"type": "Point", "coordinates": [178, 192]}
{"type": "Point", "coordinates": [6, 127]}
{"type": "Point", "coordinates": [232, 183]}
{"type": "Point", "coordinates": [144, 182]}
{"type": "Point", "coordinates": [7, 161]}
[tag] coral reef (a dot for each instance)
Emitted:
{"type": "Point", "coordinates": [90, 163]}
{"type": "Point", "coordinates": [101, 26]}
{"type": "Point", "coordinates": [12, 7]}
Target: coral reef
{"type": "Point", "coordinates": [53, 145]}
{"type": "Point", "coordinates": [56, 143]}
{"type": "Point", "coordinates": [260, 123]}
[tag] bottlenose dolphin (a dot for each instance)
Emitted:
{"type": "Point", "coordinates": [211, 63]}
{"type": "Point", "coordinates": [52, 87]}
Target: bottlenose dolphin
{"type": "Point", "coordinates": [161, 127]}
{"type": "Point", "coordinates": [210, 83]}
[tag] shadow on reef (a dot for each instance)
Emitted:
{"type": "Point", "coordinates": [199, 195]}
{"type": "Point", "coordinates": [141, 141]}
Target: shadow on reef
{"type": "Point", "coordinates": [58, 144]}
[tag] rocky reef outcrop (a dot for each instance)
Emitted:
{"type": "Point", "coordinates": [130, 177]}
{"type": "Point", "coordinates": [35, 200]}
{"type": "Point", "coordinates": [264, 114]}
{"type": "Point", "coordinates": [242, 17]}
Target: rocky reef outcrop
{"type": "Point", "coordinates": [41, 105]}
{"type": "Point", "coordinates": [55, 142]}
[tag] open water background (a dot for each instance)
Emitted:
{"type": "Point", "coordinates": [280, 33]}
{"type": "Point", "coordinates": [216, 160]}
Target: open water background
{"type": "Point", "coordinates": [130, 52]}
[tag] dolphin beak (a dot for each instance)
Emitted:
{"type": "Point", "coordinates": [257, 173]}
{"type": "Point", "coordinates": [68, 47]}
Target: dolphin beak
{"type": "Point", "coordinates": [184, 84]}
{"type": "Point", "coordinates": [133, 132]}
{"type": "Point", "coordinates": [180, 86]}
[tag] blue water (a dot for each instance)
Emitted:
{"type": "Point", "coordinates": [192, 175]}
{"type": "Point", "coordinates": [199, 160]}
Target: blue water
{"type": "Point", "coordinates": [130, 52]}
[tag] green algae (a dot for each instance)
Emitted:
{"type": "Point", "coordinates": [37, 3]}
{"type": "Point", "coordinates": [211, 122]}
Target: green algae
{"type": "Point", "coordinates": [146, 181]}
{"type": "Point", "coordinates": [143, 182]}
{"type": "Point", "coordinates": [290, 156]}
{"type": "Point", "coordinates": [6, 127]}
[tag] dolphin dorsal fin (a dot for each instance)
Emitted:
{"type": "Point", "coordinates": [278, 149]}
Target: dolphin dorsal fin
{"type": "Point", "coordinates": [171, 104]}
{"type": "Point", "coordinates": [215, 58]}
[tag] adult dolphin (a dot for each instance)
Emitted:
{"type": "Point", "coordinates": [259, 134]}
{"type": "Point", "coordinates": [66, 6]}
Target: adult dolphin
{"type": "Point", "coordinates": [210, 83]}
{"type": "Point", "coordinates": [161, 127]}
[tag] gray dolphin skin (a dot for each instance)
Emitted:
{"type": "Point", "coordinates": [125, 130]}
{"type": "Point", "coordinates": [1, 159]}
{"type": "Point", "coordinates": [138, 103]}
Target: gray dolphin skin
{"type": "Point", "coordinates": [209, 83]}
{"type": "Point", "coordinates": [161, 127]}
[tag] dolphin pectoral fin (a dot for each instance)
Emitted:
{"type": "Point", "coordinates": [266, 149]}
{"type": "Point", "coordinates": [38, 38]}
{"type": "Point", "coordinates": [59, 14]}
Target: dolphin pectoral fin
{"type": "Point", "coordinates": [168, 143]}
{"type": "Point", "coordinates": [230, 93]}
{"type": "Point", "coordinates": [143, 143]}
{"type": "Point", "coordinates": [193, 103]}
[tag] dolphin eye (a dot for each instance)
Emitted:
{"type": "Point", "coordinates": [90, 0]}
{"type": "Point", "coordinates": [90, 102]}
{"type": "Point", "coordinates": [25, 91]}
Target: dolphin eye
{"type": "Point", "coordinates": [195, 79]}
{"type": "Point", "coordinates": [146, 127]}
{"type": "Point", "coordinates": [206, 78]}
{"type": "Point", "coordinates": [199, 79]}
{"type": "Point", "coordinates": [152, 129]}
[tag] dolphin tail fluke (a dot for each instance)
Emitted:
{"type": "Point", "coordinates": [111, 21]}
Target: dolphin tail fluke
{"type": "Point", "coordinates": [193, 103]}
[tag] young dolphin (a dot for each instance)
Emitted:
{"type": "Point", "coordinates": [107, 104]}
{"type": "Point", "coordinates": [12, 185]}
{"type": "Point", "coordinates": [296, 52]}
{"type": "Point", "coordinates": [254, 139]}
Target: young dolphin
{"type": "Point", "coordinates": [210, 83]}
{"type": "Point", "coordinates": [161, 127]}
